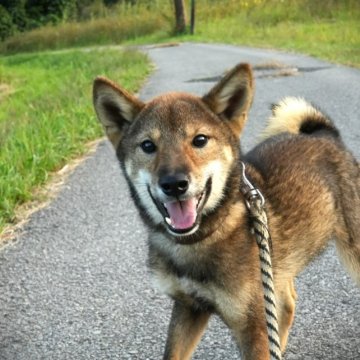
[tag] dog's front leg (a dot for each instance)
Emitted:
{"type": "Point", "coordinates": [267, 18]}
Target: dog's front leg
{"type": "Point", "coordinates": [185, 330]}
{"type": "Point", "coordinates": [249, 330]}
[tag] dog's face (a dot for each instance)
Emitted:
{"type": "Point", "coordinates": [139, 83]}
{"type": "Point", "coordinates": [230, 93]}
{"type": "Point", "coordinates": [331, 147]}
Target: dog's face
{"type": "Point", "coordinates": [178, 150]}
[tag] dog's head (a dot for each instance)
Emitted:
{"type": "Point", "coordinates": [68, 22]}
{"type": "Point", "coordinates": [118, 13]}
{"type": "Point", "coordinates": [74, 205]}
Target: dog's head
{"type": "Point", "coordinates": [178, 150]}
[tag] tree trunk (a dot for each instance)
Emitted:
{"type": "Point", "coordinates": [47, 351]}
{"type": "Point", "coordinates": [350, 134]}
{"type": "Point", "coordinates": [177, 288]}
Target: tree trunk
{"type": "Point", "coordinates": [180, 17]}
{"type": "Point", "coordinates": [192, 18]}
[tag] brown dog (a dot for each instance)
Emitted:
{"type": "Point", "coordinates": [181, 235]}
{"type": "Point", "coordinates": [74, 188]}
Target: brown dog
{"type": "Point", "coordinates": [181, 157]}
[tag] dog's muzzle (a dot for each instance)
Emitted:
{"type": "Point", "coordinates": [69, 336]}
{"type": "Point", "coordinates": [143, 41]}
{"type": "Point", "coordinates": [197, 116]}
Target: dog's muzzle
{"type": "Point", "coordinates": [182, 214]}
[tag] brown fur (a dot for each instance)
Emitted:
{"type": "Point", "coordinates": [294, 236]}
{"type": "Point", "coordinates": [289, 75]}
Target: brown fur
{"type": "Point", "coordinates": [309, 180]}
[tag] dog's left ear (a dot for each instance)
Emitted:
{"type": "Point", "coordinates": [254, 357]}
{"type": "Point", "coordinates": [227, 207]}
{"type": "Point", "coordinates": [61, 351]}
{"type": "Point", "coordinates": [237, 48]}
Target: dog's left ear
{"type": "Point", "coordinates": [232, 96]}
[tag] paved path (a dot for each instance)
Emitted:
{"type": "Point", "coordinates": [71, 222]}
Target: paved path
{"type": "Point", "coordinates": [75, 285]}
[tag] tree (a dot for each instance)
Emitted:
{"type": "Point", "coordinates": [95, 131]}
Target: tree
{"type": "Point", "coordinates": [180, 17]}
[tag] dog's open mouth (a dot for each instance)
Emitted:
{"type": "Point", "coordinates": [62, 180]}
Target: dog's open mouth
{"type": "Point", "coordinates": [182, 217]}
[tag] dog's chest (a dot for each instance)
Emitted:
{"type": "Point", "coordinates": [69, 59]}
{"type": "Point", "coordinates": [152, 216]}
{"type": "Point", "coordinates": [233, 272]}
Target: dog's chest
{"type": "Point", "coordinates": [182, 271]}
{"type": "Point", "coordinates": [209, 297]}
{"type": "Point", "coordinates": [193, 274]}
{"type": "Point", "coordinates": [202, 295]}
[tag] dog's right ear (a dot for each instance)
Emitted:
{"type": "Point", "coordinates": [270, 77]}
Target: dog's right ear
{"type": "Point", "coordinates": [115, 108]}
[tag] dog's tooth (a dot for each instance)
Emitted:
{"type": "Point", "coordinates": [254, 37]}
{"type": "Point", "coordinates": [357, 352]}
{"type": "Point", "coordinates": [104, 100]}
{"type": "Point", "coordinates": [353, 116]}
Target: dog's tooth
{"type": "Point", "coordinates": [168, 220]}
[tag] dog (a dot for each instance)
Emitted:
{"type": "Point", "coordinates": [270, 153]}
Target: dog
{"type": "Point", "coordinates": [181, 157]}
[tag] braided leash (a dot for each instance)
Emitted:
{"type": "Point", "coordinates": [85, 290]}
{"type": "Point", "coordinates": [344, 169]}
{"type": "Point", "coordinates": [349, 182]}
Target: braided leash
{"type": "Point", "coordinates": [255, 203]}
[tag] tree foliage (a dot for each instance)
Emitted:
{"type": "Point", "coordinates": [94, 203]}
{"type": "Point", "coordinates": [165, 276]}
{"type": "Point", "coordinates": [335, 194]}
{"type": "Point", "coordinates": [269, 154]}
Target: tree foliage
{"type": "Point", "coordinates": [6, 24]}
{"type": "Point", "coordinates": [49, 11]}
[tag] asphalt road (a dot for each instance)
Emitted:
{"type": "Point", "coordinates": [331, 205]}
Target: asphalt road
{"type": "Point", "coordinates": [74, 285]}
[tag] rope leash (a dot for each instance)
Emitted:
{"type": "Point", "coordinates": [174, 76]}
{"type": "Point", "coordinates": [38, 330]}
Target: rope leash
{"type": "Point", "coordinates": [255, 203]}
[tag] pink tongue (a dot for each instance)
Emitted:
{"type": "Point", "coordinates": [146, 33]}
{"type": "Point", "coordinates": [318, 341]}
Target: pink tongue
{"type": "Point", "coordinates": [182, 214]}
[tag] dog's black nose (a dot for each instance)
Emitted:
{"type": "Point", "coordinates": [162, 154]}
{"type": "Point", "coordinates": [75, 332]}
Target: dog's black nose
{"type": "Point", "coordinates": [174, 185]}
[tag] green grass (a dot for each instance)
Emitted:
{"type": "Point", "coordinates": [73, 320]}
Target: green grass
{"type": "Point", "coordinates": [337, 42]}
{"type": "Point", "coordinates": [48, 118]}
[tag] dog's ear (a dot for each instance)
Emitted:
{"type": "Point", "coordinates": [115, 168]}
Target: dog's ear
{"type": "Point", "coordinates": [115, 108]}
{"type": "Point", "coordinates": [231, 97]}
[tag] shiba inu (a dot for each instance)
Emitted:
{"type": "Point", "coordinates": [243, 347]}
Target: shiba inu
{"type": "Point", "coordinates": [181, 157]}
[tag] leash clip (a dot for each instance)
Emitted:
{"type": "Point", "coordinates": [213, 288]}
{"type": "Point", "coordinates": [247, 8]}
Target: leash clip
{"type": "Point", "coordinates": [249, 191]}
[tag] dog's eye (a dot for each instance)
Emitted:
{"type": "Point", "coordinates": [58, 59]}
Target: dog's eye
{"type": "Point", "coordinates": [200, 141]}
{"type": "Point", "coordinates": [148, 147]}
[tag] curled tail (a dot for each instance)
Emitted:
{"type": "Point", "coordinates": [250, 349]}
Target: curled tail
{"type": "Point", "coordinates": [295, 115]}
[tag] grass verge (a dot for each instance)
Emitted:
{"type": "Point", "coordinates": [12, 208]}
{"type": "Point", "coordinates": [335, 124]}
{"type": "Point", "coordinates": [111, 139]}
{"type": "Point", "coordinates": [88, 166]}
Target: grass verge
{"type": "Point", "coordinates": [46, 114]}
